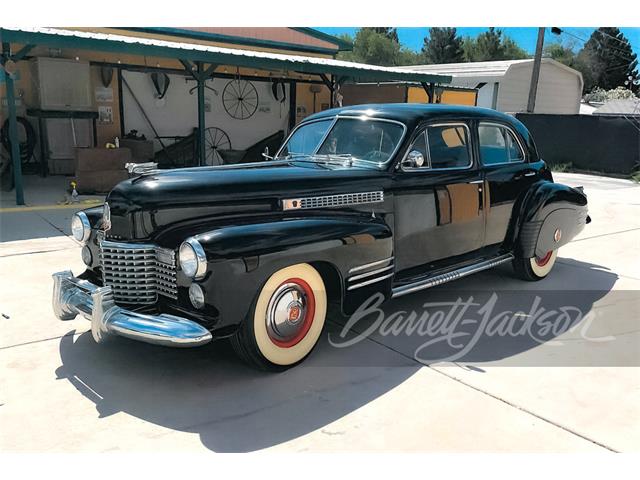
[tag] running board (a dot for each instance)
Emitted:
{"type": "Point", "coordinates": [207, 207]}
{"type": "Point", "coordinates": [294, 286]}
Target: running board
{"type": "Point", "coordinates": [453, 275]}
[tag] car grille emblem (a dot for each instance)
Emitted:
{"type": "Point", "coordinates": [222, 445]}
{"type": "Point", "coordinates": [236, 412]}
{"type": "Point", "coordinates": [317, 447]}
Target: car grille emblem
{"type": "Point", "coordinates": [106, 217]}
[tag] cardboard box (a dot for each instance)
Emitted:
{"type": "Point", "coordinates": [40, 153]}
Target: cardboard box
{"type": "Point", "coordinates": [141, 150]}
{"type": "Point", "coordinates": [98, 170]}
{"type": "Point", "coordinates": [99, 182]}
{"type": "Point", "coordinates": [95, 159]}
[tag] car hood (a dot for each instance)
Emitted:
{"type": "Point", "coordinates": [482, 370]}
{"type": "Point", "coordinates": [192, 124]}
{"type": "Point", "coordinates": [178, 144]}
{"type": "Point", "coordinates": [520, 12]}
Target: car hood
{"type": "Point", "coordinates": [149, 205]}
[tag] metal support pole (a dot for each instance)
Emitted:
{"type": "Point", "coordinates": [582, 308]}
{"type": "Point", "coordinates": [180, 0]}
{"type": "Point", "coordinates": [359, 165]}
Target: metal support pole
{"type": "Point", "coordinates": [201, 122]}
{"type": "Point", "coordinates": [535, 74]}
{"type": "Point", "coordinates": [292, 105]}
{"type": "Point", "coordinates": [13, 129]}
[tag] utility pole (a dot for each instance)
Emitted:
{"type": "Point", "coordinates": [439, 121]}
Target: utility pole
{"type": "Point", "coordinates": [535, 74]}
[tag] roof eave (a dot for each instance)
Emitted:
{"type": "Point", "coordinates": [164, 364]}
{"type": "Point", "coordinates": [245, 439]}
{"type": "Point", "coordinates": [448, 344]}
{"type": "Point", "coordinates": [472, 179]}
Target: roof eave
{"type": "Point", "coordinates": [223, 56]}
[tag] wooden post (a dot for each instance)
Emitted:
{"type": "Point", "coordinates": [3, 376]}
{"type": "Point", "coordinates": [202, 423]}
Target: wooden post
{"type": "Point", "coordinates": [535, 74]}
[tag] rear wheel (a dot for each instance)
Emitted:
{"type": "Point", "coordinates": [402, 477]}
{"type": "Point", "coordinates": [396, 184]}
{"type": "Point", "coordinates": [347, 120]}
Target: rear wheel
{"type": "Point", "coordinates": [285, 321]}
{"type": "Point", "coordinates": [536, 268]}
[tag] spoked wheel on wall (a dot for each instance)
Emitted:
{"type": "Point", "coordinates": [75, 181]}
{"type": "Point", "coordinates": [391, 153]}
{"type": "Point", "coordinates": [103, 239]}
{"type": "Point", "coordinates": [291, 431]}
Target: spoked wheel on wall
{"type": "Point", "coordinates": [240, 99]}
{"type": "Point", "coordinates": [215, 139]}
{"type": "Point", "coordinates": [535, 268]}
{"type": "Point", "coordinates": [286, 319]}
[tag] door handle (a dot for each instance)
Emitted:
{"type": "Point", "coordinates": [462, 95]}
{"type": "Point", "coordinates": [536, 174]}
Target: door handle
{"type": "Point", "coordinates": [529, 174]}
{"type": "Point", "coordinates": [476, 182]}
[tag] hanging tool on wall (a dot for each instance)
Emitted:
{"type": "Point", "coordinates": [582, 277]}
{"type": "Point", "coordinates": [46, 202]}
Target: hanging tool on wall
{"type": "Point", "coordinates": [161, 83]}
{"type": "Point", "coordinates": [279, 91]}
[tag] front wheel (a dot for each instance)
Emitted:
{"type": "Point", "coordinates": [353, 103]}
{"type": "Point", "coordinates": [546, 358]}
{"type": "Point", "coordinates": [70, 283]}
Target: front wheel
{"type": "Point", "coordinates": [536, 268]}
{"type": "Point", "coordinates": [285, 321]}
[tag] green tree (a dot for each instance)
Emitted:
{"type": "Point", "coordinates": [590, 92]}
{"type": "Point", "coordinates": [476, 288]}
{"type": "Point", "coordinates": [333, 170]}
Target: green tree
{"type": "Point", "coordinates": [390, 32]}
{"type": "Point", "coordinates": [563, 53]}
{"type": "Point", "coordinates": [608, 60]}
{"type": "Point", "coordinates": [442, 45]}
{"type": "Point", "coordinates": [376, 47]}
{"type": "Point", "coordinates": [492, 45]}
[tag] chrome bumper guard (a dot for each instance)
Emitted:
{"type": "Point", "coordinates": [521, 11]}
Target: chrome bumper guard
{"type": "Point", "coordinates": [73, 296]}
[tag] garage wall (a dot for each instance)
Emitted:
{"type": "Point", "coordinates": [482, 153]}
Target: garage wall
{"type": "Point", "coordinates": [177, 112]}
{"type": "Point", "coordinates": [559, 90]}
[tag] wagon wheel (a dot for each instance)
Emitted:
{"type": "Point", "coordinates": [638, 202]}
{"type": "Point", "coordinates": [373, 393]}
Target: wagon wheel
{"type": "Point", "coordinates": [240, 99]}
{"type": "Point", "coordinates": [215, 139]}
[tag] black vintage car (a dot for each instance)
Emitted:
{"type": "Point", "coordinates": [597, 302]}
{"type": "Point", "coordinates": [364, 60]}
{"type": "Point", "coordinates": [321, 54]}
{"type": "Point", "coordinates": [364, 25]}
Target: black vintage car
{"type": "Point", "coordinates": [359, 200]}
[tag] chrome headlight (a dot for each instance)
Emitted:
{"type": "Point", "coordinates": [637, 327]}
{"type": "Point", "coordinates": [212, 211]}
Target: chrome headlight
{"type": "Point", "coordinates": [193, 260]}
{"type": "Point", "coordinates": [80, 227]}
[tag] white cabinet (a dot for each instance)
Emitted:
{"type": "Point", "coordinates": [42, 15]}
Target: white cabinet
{"type": "Point", "coordinates": [62, 84]}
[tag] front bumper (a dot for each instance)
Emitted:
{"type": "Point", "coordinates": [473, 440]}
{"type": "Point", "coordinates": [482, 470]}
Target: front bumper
{"type": "Point", "coordinates": [73, 296]}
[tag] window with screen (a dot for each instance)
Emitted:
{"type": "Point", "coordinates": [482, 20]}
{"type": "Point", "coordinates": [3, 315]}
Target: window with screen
{"type": "Point", "coordinates": [498, 145]}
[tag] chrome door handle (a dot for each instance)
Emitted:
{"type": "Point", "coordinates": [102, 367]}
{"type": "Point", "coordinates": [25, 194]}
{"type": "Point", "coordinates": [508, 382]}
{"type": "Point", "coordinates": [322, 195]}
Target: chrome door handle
{"type": "Point", "coordinates": [529, 174]}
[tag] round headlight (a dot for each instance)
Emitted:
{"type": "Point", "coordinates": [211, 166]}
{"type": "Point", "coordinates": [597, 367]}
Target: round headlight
{"type": "Point", "coordinates": [196, 295]}
{"type": "Point", "coordinates": [80, 227]}
{"type": "Point", "coordinates": [87, 258]}
{"type": "Point", "coordinates": [193, 260]}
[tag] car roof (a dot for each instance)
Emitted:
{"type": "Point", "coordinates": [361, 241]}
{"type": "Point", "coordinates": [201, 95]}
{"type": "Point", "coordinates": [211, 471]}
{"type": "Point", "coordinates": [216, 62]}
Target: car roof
{"type": "Point", "coordinates": [413, 112]}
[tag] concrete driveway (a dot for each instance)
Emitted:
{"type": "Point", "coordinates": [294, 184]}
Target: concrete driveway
{"type": "Point", "coordinates": [574, 389]}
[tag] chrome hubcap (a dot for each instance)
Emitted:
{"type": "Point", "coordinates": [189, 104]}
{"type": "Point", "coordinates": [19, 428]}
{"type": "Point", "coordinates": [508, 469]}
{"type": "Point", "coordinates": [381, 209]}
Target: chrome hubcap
{"type": "Point", "coordinates": [287, 312]}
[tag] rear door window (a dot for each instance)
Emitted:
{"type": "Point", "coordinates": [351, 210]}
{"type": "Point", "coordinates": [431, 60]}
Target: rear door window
{"type": "Point", "coordinates": [498, 145]}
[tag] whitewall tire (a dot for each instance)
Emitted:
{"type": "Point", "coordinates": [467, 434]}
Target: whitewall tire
{"type": "Point", "coordinates": [536, 268]}
{"type": "Point", "coordinates": [286, 320]}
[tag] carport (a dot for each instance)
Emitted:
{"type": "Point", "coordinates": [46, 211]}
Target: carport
{"type": "Point", "coordinates": [201, 62]}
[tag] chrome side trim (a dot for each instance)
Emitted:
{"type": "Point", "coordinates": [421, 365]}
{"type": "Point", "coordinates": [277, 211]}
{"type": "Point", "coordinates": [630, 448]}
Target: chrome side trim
{"type": "Point", "coordinates": [368, 274]}
{"type": "Point", "coordinates": [453, 275]}
{"type": "Point", "coordinates": [73, 296]}
{"type": "Point", "coordinates": [331, 201]}
{"type": "Point", "coordinates": [369, 265]}
{"type": "Point", "coordinates": [369, 282]}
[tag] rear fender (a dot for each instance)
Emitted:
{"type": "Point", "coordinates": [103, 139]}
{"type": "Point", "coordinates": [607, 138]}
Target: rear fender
{"type": "Point", "coordinates": [552, 214]}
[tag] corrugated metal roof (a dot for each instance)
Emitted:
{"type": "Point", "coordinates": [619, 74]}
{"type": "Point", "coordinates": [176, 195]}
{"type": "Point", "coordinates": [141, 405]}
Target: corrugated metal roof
{"type": "Point", "coordinates": [217, 55]}
{"type": "Point", "coordinates": [482, 71]}
{"type": "Point", "coordinates": [469, 69]}
{"type": "Point", "coordinates": [628, 106]}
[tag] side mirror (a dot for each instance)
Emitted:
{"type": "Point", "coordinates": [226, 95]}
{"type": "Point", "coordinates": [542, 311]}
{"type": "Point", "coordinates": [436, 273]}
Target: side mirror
{"type": "Point", "coordinates": [414, 159]}
{"type": "Point", "coordinates": [265, 154]}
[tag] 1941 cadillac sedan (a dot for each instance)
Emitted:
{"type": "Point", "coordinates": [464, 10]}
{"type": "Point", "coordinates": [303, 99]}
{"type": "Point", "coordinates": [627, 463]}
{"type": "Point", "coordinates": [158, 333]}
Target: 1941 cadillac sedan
{"type": "Point", "coordinates": [389, 199]}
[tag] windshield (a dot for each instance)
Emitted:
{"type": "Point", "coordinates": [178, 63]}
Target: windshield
{"type": "Point", "coordinates": [372, 141]}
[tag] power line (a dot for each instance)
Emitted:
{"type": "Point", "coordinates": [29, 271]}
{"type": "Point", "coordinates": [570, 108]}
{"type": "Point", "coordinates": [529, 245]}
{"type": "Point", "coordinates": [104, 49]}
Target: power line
{"type": "Point", "coordinates": [558, 31]}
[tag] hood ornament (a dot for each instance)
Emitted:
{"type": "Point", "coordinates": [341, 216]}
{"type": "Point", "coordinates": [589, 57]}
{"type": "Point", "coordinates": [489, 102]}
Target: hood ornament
{"type": "Point", "coordinates": [141, 168]}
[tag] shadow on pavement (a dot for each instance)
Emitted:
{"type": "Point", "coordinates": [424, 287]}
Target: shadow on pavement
{"type": "Point", "coordinates": [237, 409]}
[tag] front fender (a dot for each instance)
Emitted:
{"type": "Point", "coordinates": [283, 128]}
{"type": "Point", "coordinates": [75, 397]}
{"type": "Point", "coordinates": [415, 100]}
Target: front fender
{"type": "Point", "coordinates": [242, 257]}
{"type": "Point", "coordinates": [551, 215]}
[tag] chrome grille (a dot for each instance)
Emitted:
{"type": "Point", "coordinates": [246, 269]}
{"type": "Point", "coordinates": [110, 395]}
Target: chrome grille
{"type": "Point", "coordinates": [329, 201]}
{"type": "Point", "coordinates": [137, 273]}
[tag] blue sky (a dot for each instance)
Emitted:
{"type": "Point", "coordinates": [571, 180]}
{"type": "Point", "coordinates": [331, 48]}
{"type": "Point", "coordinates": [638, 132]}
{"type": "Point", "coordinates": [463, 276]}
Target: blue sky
{"type": "Point", "coordinates": [524, 36]}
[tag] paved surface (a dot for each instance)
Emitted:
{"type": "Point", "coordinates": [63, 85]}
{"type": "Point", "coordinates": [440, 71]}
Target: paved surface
{"type": "Point", "coordinates": [59, 391]}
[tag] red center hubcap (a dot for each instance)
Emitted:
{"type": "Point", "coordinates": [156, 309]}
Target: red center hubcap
{"type": "Point", "coordinates": [290, 312]}
{"type": "Point", "coordinates": [541, 262]}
